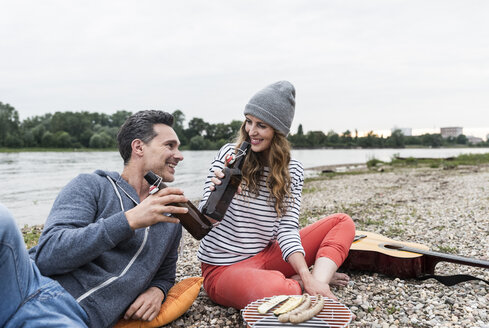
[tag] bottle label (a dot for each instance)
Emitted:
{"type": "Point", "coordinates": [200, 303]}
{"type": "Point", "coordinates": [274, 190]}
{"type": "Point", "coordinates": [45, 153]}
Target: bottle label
{"type": "Point", "coordinates": [153, 190]}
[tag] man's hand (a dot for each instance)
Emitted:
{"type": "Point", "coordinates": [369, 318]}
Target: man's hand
{"type": "Point", "coordinates": [151, 210]}
{"type": "Point", "coordinates": [147, 306]}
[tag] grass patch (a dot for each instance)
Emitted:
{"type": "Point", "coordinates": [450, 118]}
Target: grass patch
{"type": "Point", "coordinates": [394, 232]}
{"type": "Point", "coordinates": [305, 215]}
{"type": "Point", "coordinates": [374, 162]}
{"type": "Point", "coordinates": [310, 190]}
{"type": "Point", "coordinates": [31, 235]}
{"type": "Point", "coordinates": [410, 161]}
{"type": "Point", "coordinates": [448, 249]}
{"type": "Point", "coordinates": [369, 221]}
{"type": "Point", "coordinates": [331, 175]}
{"type": "Point", "coordinates": [446, 163]}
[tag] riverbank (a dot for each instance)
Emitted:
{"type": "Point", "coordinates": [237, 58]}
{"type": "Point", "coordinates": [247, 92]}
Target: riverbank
{"type": "Point", "coordinates": [445, 208]}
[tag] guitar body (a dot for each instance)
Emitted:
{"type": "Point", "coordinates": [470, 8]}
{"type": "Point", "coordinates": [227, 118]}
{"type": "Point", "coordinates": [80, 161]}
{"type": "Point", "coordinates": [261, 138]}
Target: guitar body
{"type": "Point", "coordinates": [375, 253]}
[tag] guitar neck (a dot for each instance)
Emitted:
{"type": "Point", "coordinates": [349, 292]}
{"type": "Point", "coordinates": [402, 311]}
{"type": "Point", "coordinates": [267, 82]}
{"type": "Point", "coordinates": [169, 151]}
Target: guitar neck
{"type": "Point", "coordinates": [439, 257]}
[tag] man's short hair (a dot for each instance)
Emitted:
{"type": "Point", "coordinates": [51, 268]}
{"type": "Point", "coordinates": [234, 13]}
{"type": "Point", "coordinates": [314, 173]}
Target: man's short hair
{"type": "Point", "coordinates": [140, 126]}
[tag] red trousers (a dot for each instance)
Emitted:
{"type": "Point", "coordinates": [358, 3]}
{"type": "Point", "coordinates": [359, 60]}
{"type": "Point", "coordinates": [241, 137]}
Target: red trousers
{"type": "Point", "coordinates": [266, 274]}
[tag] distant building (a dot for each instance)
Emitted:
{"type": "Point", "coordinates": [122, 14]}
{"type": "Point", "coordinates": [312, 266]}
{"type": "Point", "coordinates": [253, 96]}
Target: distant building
{"type": "Point", "coordinates": [474, 140]}
{"type": "Point", "coordinates": [451, 132]}
{"type": "Point", "coordinates": [405, 131]}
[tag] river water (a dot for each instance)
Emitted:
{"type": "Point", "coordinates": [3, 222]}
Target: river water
{"type": "Point", "coordinates": [30, 181]}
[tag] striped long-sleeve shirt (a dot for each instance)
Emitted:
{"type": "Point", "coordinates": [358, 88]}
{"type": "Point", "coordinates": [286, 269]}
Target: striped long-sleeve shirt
{"type": "Point", "coordinates": [251, 222]}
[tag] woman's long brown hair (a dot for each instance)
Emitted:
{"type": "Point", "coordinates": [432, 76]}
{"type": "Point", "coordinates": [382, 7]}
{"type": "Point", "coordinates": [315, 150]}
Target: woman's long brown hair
{"type": "Point", "coordinates": [278, 181]}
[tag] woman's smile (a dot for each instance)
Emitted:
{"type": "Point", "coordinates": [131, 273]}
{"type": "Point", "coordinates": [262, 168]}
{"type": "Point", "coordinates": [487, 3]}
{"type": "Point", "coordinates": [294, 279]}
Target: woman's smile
{"type": "Point", "coordinates": [260, 134]}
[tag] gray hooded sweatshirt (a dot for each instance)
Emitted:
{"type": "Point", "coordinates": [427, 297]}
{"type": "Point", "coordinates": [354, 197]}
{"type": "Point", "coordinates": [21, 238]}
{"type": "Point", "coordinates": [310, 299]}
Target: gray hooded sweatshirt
{"type": "Point", "coordinates": [89, 248]}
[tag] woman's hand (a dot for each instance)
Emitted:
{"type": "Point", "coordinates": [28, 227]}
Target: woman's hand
{"type": "Point", "coordinates": [217, 179]}
{"type": "Point", "coordinates": [316, 282]}
{"type": "Point", "coordinates": [312, 286]}
{"type": "Point", "coordinates": [219, 175]}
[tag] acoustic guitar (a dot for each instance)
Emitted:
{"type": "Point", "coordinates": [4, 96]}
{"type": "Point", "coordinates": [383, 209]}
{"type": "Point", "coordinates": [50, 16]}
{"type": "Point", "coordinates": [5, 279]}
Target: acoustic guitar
{"type": "Point", "coordinates": [376, 253]}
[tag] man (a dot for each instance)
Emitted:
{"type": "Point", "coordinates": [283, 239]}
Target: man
{"type": "Point", "coordinates": [108, 249]}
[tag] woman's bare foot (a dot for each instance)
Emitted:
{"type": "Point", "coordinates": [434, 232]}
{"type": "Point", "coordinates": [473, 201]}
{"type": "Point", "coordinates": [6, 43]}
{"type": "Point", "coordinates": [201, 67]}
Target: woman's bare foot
{"type": "Point", "coordinates": [339, 279]}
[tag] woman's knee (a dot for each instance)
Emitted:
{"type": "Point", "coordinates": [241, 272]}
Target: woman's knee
{"type": "Point", "coordinates": [348, 224]}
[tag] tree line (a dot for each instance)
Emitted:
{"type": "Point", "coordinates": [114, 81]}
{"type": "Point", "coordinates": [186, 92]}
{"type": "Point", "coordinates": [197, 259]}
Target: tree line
{"type": "Point", "coordinates": [98, 130]}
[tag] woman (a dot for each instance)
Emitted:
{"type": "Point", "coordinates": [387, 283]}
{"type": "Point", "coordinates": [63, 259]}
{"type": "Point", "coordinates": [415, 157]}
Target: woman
{"type": "Point", "coordinates": [257, 250]}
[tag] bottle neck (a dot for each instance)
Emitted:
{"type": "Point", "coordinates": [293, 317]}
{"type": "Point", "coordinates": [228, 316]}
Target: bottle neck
{"type": "Point", "coordinates": [241, 154]}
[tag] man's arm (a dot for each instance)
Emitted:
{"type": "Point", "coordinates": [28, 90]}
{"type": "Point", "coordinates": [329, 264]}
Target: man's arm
{"type": "Point", "coordinates": [73, 236]}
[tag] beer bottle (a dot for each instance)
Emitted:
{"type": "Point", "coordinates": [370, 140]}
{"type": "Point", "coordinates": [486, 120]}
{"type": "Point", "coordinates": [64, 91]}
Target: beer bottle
{"type": "Point", "coordinates": [193, 221]}
{"type": "Point", "coordinates": [220, 198]}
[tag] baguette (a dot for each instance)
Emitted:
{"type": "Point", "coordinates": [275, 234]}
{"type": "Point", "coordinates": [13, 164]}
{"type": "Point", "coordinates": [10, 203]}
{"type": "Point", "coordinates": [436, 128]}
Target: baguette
{"type": "Point", "coordinates": [265, 307]}
{"type": "Point", "coordinates": [305, 305]}
{"type": "Point", "coordinates": [289, 305]}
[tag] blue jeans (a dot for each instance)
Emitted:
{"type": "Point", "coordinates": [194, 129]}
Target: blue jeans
{"type": "Point", "coordinates": [27, 298]}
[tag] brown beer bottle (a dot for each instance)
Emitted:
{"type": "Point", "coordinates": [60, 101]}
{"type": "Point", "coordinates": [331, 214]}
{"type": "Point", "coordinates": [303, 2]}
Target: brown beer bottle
{"type": "Point", "coordinates": [193, 221]}
{"type": "Point", "coordinates": [220, 198]}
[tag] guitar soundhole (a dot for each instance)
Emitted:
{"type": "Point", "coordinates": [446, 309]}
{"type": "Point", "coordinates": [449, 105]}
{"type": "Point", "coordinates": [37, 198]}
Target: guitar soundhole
{"type": "Point", "coordinates": [391, 246]}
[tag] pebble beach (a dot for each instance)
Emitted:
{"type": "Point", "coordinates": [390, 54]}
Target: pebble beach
{"type": "Point", "coordinates": [444, 209]}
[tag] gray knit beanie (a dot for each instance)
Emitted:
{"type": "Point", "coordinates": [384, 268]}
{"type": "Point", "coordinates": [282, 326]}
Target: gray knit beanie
{"type": "Point", "coordinates": [274, 105]}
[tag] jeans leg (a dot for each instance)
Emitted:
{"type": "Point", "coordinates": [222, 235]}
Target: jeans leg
{"type": "Point", "coordinates": [51, 306]}
{"type": "Point", "coordinates": [28, 299]}
{"type": "Point", "coordinates": [18, 277]}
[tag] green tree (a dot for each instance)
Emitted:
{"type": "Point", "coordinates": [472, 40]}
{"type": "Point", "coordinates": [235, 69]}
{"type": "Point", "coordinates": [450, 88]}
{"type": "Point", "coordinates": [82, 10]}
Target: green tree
{"type": "Point", "coordinates": [101, 140]}
{"type": "Point", "coordinates": [300, 131]}
{"type": "Point", "coordinates": [220, 131]}
{"type": "Point", "coordinates": [29, 139]}
{"type": "Point", "coordinates": [38, 132]}
{"type": "Point", "coordinates": [235, 126]}
{"type": "Point", "coordinates": [85, 137]}
{"type": "Point", "coordinates": [396, 140]}
{"type": "Point", "coordinates": [298, 140]}
{"type": "Point", "coordinates": [369, 141]}
{"type": "Point", "coordinates": [9, 124]}
{"type": "Point", "coordinates": [48, 140]}
{"type": "Point", "coordinates": [75, 123]}
{"type": "Point", "coordinates": [346, 138]}
{"type": "Point", "coordinates": [13, 141]}
{"type": "Point", "coordinates": [119, 117]}
{"type": "Point", "coordinates": [316, 139]}
{"type": "Point", "coordinates": [178, 120]}
{"type": "Point", "coordinates": [462, 140]}
{"type": "Point", "coordinates": [333, 138]}
{"type": "Point", "coordinates": [196, 127]}
{"type": "Point", "coordinates": [199, 143]}
{"type": "Point", "coordinates": [62, 139]}
{"type": "Point", "coordinates": [431, 140]}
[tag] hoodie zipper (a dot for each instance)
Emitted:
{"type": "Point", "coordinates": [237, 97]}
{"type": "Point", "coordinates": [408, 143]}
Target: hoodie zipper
{"type": "Point", "coordinates": [131, 262]}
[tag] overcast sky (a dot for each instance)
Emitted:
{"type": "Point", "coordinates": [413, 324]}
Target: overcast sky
{"type": "Point", "coordinates": [366, 65]}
